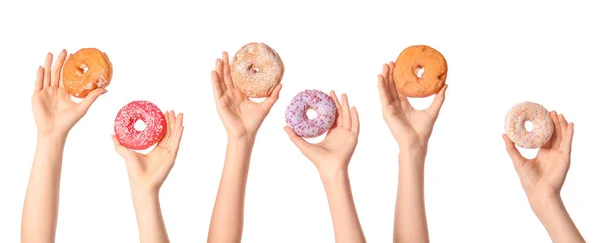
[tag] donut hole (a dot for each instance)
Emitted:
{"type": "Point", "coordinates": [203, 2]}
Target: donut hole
{"type": "Point", "coordinates": [311, 114]}
{"type": "Point", "coordinates": [252, 69]}
{"type": "Point", "coordinates": [529, 126]}
{"type": "Point", "coordinates": [139, 125]}
{"type": "Point", "coordinates": [83, 68]}
{"type": "Point", "coordinates": [419, 72]}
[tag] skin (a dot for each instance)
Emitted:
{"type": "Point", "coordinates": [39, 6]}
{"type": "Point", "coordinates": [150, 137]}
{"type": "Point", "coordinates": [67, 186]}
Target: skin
{"type": "Point", "coordinates": [411, 129]}
{"type": "Point", "coordinates": [147, 173]}
{"type": "Point", "coordinates": [332, 157]}
{"type": "Point", "coordinates": [242, 118]}
{"type": "Point", "coordinates": [542, 179]}
{"type": "Point", "coordinates": [55, 114]}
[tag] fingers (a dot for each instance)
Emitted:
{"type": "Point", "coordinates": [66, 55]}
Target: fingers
{"type": "Point", "coordinates": [84, 106]}
{"type": "Point", "coordinates": [165, 139]}
{"type": "Point", "coordinates": [298, 141]}
{"type": "Point", "coordinates": [123, 151]}
{"type": "Point", "coordinates": [177, 133]}
{"type": "Point", "coordinates": [557, 134]}
{"type": "Point", "coordinates": [338, 108]}
{"type": "Point", "coordinates": [227, 71]}
{"type": "Point", "coordinates": [438, 101]}
{"type": "Point", "coordinates": [47, 70]}
{"type": "Point", "coordinates": [39, 80]}
{"type": "Point", "coordinates": [270, 101]}
{"type": "Point", "coordinates": [60, 81]}
{"type": "Point", "coordinates": [515, 155]}
{"type": "Point", "coordinates": [384, 94]}
{"type": "Point", "coordinates": [355, 121]}
{"type": "Point", "coordinates": [390, 81]}
{"type": "Point", "coordinates": [57, 68]}
{"type": "Point", "coordinates": [217, 91]}
{"type": "Point", "coordinates": [219, 70]}
{"type": "Point", "coordinates": [347, 119]}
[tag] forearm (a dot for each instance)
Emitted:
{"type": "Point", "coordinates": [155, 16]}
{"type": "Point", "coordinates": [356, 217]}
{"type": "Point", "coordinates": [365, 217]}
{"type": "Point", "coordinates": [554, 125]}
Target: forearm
{"type": "Point", "coordinates": [149, 217]}
{"type": "Point", "coordinates": [341, 204]}
{"type": "Point", "coordinates": [228, 214]}
{"type": "Point", "coordinates": [40, 209]}
{"type": "Point", "coordinates": [410, 219]}
{"type": "Point", "coordinates": [552, 213]}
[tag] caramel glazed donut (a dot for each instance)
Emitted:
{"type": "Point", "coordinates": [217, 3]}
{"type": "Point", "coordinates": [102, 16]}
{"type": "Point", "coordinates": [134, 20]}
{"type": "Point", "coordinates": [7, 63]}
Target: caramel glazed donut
{"type": "Point", "coordinates": [86, 70]}
{"type": "Point", "coordinates": [410, 61]}
{"type": "Point", "coordinates": [514, 125]}
{"type": "Point", "coordinates": [256, 69]}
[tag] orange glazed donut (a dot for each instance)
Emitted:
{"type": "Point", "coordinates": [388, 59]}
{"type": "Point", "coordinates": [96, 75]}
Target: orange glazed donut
{"type": "Point", "coordinates": [406, 72]}
{"type": "Point", "coordinates": [86, 70]}
{"type": "Point", "coordinates": [256, 70]}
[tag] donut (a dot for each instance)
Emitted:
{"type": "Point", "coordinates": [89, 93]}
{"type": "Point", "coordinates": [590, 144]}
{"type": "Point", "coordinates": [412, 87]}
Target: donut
{"type": "Point", "coordinates": [150, 114]}
{"type": "Point", "coordinates": [256, 70]}
{"type": "Point", "coordinates": [321, 103]}
{"type": "Point", "coordinates": [410, 62]}
{"type": "Point", "coordinates": [86, 70]}
{"type": "Point", "coordinates": [514, 125]}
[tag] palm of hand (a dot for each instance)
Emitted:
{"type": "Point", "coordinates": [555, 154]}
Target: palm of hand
{"type": "Point", "coordinates": [53, 109]}
{"type": "Point", "coordinates": [149, 171]}
{"type": "Point", "coordinates": [410, 127]}
{"type": "Point", "coordinates": [546, 173]}
{"type": "Point", "coordinates": [241, 116]}
{"type": "Point", "coordinates": [335, 151]}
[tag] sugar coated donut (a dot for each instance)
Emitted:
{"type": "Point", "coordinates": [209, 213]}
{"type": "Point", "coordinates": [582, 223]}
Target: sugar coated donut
{"type": "Point", "coordinates": [150, 114]}
{"type": "Point", "coordinates": [86, 70]}
{"type": "Point", "coordinates": [514, 125]}
{"type": "Point", "coordinates": [410, 62]}
{"type": "Point", "coordinates": [321, 103]}
{"type": "Point", "coordinates": [256, 70]}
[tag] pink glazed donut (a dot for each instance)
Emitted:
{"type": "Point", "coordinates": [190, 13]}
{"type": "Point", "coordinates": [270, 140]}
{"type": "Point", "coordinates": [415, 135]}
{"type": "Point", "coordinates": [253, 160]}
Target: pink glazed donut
{"type": "Point", "coordinates": [514, 125]}
{"type": "Point", "coordinates": [296, 117]}
{"type": "Point", "coordinates": [150, 114]}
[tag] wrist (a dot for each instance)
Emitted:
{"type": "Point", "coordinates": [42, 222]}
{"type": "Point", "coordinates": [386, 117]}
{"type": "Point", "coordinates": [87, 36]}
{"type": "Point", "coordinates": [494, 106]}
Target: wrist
{"type": "Point", "coordinates": [543, 202]}
{"type": "Point", "coordinates": [332, 174]}
{"type": "Point", "coordinates": [52, 138]}
{"type": "Point", "coordinates": [144, 195]}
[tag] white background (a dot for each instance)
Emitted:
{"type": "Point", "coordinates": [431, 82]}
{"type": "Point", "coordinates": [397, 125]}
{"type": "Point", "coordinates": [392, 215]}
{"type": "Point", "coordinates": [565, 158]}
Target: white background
{"type": "Point", "coordinates": [498, 55]}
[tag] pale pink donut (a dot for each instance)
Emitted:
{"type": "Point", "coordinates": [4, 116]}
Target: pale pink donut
{"type": "Point", "coordinates": [321, 103]}
{"type": "Point", "coordinates": [514, 125]}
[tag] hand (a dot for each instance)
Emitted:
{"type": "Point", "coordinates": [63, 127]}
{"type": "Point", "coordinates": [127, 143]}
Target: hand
{"type": "Point", "coordinates": [54, 111]}
{"type": "Point", "coordinates": [333, 153]}
{"type": "Point", "coordinates": [544, 175]}
{"type": "Point", "coordinates": [241, 116]}
{"type": "Point", "coordinates": [411, 128]}
{"type": "Point", "coordinates": [147, 172]}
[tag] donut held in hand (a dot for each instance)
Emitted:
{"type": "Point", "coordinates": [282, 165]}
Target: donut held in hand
{"type": "Point", "coordinates": [321, 103]}
{"type": "Point", "coordinates": [85, 71]}
{"type": "Point", "coordinates": [410, 62]}
{"type": "Point", "coordinates": [256, 69]}
{"type": "Point", "coordinates": [150, 114]}
{"type": "Point", "coordinates": [514, 125]}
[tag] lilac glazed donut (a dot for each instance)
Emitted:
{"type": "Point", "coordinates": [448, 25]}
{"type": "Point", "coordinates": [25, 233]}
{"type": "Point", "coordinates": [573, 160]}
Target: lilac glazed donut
{"type": "Point", "coordinates": [321, 103]}
{"type": "Point", "coordinates": [514, 125]}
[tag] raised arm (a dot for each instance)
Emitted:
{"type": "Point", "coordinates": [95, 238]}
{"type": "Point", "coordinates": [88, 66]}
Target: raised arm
{"type": "Point", "coordinates": [147, 173]}
{"type": "Point", "coordinates": [411, 128]}
{"type": "Point", "coordinates": [332, 157]}
{"type": "Point", "coordinates": [542, 179]}
{"type": "Point", "coordinates": [55, 114]}
{"type": "Point", "coordinates": [242, 118]}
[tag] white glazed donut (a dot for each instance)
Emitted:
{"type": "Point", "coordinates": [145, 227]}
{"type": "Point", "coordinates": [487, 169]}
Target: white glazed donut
{"type": "Point", "coordinates": [514, 125]}
{"type": "Point", "coordinates": [321, 103]}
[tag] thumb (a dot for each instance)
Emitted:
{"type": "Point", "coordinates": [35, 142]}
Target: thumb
{"type": "Point", "coordinates": [515, 155]}
{"type": "Point", "coordinates": [124, 152]}
{"type": "Point", "coordinates": [270, 101]}
{"type": "Point", "coordinates": [90, 98]}
{"type": "Point", "coordinates": [438, 101]}
{"type": "Point", "coordinates": [298, 141]}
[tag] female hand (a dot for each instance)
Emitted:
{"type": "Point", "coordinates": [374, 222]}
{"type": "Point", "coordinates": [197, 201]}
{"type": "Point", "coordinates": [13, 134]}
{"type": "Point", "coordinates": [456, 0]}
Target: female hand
{"type": "Point", "coordinates": [54, 111]}
{"type": "Point", "coordinates": [411, 128]}
{"type": "Point", "coordinates": [335, 151]}
{"type": "Point", "coordinates": [544, 175]}
{"type": "Point", "coordinates": [241, 116]}
{"type": "Point", "coordinates": [147, 172]}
